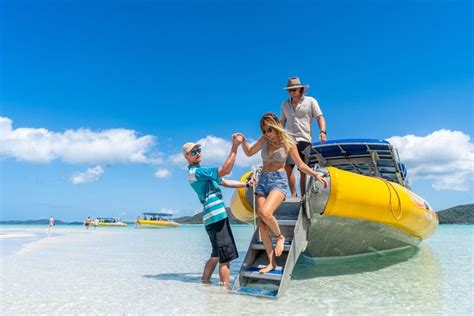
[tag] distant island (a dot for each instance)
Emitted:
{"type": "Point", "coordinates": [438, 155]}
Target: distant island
{"type": "Point", "coordinates": [197, 219]}
{"type": "Point", "coordinates": [461, 214]}
{"type": "Point", "coordinates": [38, 222]}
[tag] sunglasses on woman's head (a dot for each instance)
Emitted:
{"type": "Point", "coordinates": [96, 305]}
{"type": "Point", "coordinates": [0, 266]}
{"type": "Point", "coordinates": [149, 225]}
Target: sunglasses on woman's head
{"type": "Point", "coordinates": [195, 151]}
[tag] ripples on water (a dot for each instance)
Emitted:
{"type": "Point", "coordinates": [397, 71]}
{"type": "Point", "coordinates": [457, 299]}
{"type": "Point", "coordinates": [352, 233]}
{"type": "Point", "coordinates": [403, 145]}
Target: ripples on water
{"type": "Point", "coordinates": [158, 271]}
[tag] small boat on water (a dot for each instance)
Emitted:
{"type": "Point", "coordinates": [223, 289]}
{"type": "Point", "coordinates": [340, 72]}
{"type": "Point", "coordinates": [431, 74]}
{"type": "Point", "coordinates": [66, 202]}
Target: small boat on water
{"type": "Point", "coordinates": [108, 221]}
{"type": "Point", "coordinates": [367, 207]}
{"type": "Point", "coordinates": [155, 220]}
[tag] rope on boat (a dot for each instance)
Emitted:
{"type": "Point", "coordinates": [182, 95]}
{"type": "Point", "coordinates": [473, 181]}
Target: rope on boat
{"type": "Point", "coordinates": [255, 175]}
{"type": "Point", "coordinates": [254, 215]}
{"type": "Point", "coordinates": [390, 186]}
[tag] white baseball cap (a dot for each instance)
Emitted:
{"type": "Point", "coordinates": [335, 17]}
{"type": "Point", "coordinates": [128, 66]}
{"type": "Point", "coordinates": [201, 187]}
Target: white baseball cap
{"type": "Point", "coordinates": [188, 147]}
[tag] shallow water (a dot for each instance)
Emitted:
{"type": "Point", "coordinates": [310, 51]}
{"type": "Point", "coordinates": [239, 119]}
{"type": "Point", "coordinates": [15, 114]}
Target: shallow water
{"type": "Point", "coordinates": [138, 271]}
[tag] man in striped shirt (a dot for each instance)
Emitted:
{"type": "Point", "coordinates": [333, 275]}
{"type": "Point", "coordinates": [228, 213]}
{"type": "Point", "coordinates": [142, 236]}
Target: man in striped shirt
{"type": "Point", "coordinates": [205, 182]}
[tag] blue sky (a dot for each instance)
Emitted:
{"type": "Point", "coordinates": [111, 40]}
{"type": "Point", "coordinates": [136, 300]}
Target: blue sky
{"type": "Point", "coordinates": [151, 75]}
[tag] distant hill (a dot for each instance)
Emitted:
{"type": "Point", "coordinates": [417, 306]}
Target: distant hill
{"type": "Point", "coordinates": [38, 222]}
{"type": "Point", "coordinates": [461, 214]}
{"type": "Point", "coordinates": [197, 219]}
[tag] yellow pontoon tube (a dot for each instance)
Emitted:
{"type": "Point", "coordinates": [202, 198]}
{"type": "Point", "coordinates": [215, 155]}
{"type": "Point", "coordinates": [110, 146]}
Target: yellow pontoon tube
{"type": "Point", "coordinates": [356, 213]}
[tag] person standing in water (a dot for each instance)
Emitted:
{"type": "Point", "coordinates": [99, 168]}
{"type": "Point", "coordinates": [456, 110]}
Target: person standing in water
{"type": "Point", "coordinates": [51, 224]}
{"type": "Point", "coordinates": [205, 182]}
{"type": "Point", "coordinates": [298, 112]}
{"type": "Point", "coordinates": [276, 145]}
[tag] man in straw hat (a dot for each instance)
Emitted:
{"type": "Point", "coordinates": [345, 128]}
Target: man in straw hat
{"type": "Point", "coordinates": [298, 112]}
{"type": "Point", "coordinates": [205, 182]}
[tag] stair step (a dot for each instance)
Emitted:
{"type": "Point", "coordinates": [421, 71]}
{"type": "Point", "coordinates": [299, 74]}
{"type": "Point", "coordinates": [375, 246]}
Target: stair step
{"type": "Point", "coordinates": [259, 245]}
{"type": "Point", "coordinates": [286, 222]}
{"type": "Point", "coordinates": [292, 200]}
{"type": "Point", "coordinates": [258, 292]}
{"type": "Point", "coordinates": [274, 275]}
{"type": "Point", "coordinates": [286, 217]}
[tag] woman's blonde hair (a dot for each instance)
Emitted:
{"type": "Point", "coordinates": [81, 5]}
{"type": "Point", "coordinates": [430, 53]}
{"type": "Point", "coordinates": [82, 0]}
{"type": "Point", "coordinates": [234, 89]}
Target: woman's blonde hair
{"type": "Point", "coordinates": [271, 120]}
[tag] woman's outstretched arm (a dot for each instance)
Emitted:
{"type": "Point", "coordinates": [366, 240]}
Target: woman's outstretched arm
{"type": "Point", "coordinates": [304, 167]}
{"type": "Point", "coordinates": [251, 150]}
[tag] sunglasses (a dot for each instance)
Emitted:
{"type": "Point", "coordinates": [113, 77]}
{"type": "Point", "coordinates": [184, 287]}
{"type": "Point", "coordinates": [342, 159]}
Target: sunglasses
{"type": "Point", "coordinates": [195, 152]}
{"type": "Point", "coordinates": [292, 90]}
{"type": "Point", "coordinates": [268, 130]}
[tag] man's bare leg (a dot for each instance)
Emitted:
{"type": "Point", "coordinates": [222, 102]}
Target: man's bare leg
{"type": "Point", "coordinates": [224, 273]}
{"type": "Point", "coordinates": [209, 269]}
{"type": "Point", "coordinates": [291, 179]}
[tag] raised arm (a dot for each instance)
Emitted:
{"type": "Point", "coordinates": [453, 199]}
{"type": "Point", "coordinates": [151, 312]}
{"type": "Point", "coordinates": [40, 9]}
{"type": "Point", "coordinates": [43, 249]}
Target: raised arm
{"type": "Point", "coordinates": [304, 167]}
{"type": "Point", "coordinates": [251, 150]}
{"type": "Point", "coordinates": [228, 164]}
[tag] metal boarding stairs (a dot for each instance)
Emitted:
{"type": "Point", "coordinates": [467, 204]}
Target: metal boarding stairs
{"type": "Point", "coordinates": [293, 225]}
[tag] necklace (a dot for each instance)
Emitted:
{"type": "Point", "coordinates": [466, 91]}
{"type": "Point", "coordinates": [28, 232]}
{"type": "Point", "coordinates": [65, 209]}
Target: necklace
{"type": "Point", "coordinates": [273, 144]}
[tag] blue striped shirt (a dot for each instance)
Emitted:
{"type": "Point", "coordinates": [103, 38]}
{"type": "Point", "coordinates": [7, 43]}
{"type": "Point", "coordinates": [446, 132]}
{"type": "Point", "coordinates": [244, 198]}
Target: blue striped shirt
{"type": "Point", "coordinates": [205, 182]}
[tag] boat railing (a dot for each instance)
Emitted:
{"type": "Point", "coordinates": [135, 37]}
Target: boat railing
{"type": "Point", "coordinates": [375, 158]}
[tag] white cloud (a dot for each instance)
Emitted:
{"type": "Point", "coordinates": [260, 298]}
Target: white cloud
{"type": "Point", "coordinates": [168, 211]}
{"type": "Point", "coordinates": [215, 151]}
{"type": "Point", "coordinates": [444, 157]}
{"type": "Point", "coordinates": [90, 175]}
{"type": "Point", "coordinates": [40, 145]}
{"type": "Point", "coordinates": [162, 173]}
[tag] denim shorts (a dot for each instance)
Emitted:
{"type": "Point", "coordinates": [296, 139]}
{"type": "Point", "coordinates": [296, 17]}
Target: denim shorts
{"type": "Point", "coordinates": [269, 181]}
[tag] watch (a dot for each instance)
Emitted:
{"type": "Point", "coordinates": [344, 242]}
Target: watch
{"type": "Point", "coordinates": [324, 132]}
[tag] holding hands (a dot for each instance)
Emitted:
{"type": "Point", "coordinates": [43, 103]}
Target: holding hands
{"type": "Point", "coordinates": [238, 138]}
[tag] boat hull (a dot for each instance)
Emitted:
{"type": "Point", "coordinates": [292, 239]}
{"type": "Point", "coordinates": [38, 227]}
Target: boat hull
{"type": "Point", "coordinates": [111, 224]}
{"type": "Point", "coordinates": [331, 236]}
{"type": "Point", "coordinates": [355, 215]}
{"type": "Point", "coordinates": [155, 224]}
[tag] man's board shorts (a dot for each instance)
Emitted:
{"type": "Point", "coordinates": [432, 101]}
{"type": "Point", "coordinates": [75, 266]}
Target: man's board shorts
{"type": "Point", "coordinates": [269, 181]}
{"type": "Point", "coordinates": [304, 149]}
{"type": "Point", "coordinates": [222, 241]}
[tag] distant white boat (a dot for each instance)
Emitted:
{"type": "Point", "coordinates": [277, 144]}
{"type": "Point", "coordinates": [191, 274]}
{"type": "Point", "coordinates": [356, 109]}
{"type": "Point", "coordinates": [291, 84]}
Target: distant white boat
{"type": "Point", "coordinates": [109, 221]}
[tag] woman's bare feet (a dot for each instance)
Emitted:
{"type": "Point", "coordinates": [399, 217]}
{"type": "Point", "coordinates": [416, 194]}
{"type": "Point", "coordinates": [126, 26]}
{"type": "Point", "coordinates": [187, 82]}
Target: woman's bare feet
{"type": "Point", "coordinates": [280, 244]}
{"type": "Point", "coordinates": [271, 266]}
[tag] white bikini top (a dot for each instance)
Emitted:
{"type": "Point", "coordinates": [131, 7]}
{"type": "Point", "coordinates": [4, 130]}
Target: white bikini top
{"type": "Point", "coordinates": [279, 156]}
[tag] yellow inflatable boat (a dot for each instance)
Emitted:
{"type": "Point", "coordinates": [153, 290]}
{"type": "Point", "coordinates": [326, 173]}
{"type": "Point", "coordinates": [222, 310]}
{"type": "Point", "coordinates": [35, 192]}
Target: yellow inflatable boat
{"type": "Point", "coordinates": [367, 206]}
{"type": "Point", "coordinates": [155, 220]}
{"type": "Point", "coordinates": [108, 221]}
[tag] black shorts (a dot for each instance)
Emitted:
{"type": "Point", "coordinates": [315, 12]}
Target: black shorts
{"type": "Point", "coordinates": [222, 241]}
{"type": "Point", "coordinates": [304, 149]}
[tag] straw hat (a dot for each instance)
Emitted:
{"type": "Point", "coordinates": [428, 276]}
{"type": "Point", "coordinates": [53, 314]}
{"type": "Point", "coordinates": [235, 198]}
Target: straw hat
{"type": "Point", "coordinates": [295, 82]}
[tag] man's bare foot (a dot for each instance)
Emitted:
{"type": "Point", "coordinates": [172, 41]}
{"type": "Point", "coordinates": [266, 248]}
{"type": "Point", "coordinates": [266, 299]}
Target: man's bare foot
{"type": "Point", "coordinates": [280, 244]}
{"type": "Point", "coordinates": [223, 283]}
{"type": "Point", "coordinates": [206, 281]}
{"type": "Point", "coordinates": [270, 267]}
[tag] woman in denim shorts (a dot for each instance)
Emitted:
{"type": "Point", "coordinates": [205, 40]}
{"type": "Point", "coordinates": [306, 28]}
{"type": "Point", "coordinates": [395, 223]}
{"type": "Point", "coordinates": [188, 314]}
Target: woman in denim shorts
{"type": "Point", "coordinates": [275, 145]}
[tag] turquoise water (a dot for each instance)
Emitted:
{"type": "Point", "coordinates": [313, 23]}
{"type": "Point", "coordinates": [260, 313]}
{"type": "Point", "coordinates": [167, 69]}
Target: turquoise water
{"type": "Point", "coordinates": [126, 270]}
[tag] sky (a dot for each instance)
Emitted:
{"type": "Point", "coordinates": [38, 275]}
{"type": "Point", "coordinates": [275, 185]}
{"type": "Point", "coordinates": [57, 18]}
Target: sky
{"type": "Point", "coordinates": [97, 98]}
